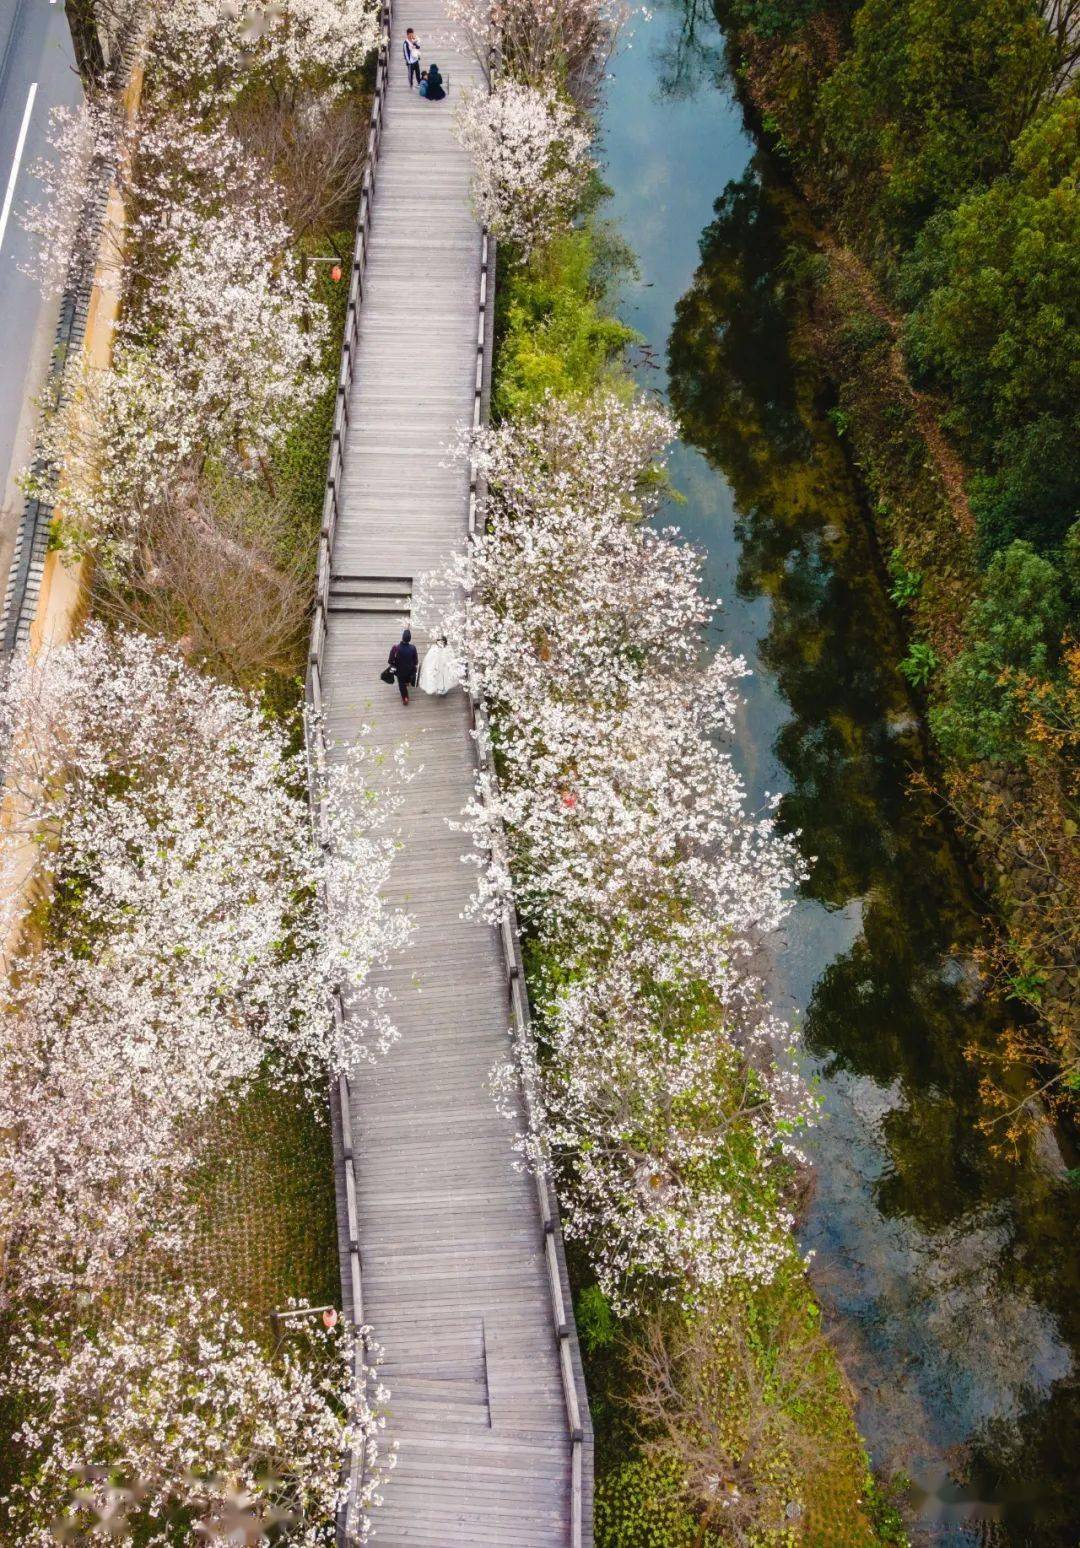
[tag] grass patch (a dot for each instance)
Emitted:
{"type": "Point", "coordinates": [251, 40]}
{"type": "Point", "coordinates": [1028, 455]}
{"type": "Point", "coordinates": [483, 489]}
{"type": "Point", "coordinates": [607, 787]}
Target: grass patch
{"type": "Point", "coordinates": [265, 1228]}
{"type": "Point", "coordinates": [300, 463]}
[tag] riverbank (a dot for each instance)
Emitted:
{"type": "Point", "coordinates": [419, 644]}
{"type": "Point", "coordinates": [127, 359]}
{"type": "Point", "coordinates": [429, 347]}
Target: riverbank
{"type": "Point", "coordinates": [1002, 710]}
{"type": "Point", "coordinates": [945, 1269]}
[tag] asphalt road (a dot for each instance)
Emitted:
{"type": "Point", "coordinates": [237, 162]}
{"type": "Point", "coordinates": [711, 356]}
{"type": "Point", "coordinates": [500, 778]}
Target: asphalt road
{"type": "Point", "coordinates": [37, 73]}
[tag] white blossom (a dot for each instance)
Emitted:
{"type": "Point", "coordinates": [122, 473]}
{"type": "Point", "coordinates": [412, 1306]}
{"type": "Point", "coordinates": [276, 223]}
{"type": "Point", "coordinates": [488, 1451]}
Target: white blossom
{"type": "Point", "coordinates": [86, 145]}
{"type": "Point", "coordinates": [213, 47]}
{"type": "Point", "coordinates": [619, 827]}
{"type": "Point", "coordinates": [530, 160]}
{"type": "Point", "coordinates": [192, 955]}
{"type": "Point", "coordinates": [169, 1425]}
{"type": "Point", "coordinates": [527, 36]}
{"type": "Point", "coordinates": [221, 360]}
{"type": "Point", "coordinates": [665, 1130]}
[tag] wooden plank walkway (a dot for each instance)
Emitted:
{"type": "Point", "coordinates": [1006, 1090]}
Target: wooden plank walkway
{"type": "Point", "coordinates": [454, 1278]}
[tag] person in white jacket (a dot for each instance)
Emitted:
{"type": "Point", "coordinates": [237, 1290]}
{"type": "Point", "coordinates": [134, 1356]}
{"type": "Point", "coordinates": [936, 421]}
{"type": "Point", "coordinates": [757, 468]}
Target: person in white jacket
{"type": "Point", "coordinates": [411, 50]}
{"type": "Point", "coordinates": [441, 670]}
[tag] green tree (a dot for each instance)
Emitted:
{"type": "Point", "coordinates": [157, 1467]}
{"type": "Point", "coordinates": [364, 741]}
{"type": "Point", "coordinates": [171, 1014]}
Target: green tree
{"type": "Point", "coordinates": [1013, 628]}
{"type": "Point", "coordinates": [770, 18]}
{"type": "Point", "coordinates": [555, 336]}
{"type": "Point", "coordinates": [998, 326]}
{"type": "Point", "coordinates": [927, 103]}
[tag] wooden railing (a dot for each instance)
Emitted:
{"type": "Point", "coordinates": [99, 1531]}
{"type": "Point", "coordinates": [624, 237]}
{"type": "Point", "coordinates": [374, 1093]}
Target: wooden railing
{"type": "Point", "coordinates": [580, 1429]}
{"type": "Point", "coordinates": [349, 1518]}
{"type": "Point", "coordinates": [573, 1376]}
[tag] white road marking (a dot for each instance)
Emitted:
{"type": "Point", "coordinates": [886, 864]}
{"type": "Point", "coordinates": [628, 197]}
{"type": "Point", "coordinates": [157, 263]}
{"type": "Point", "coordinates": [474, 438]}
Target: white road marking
{"type": "Point", "coordinates": [19, 148]}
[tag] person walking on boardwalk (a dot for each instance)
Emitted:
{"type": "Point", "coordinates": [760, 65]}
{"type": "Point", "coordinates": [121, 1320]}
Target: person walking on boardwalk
{"type": "Point", "coordinates": [411, 49]}
{"type": "Point", "coordinates": [404, 662]}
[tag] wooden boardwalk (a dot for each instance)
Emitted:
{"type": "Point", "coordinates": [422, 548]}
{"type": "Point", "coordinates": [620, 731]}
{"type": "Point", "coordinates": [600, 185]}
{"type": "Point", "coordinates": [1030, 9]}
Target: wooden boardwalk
{"type": "Point", "coordinates": [454, 1278]}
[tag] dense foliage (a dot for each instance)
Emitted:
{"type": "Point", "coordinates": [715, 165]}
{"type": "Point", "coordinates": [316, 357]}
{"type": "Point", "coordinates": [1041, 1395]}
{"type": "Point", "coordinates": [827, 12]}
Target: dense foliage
{"type": "Point", "coordinates": [996, 323]}
{"type": "Point", "coordinates": [555, 335]}
{"type": "Point", "coordinates": [938, 142]}
{"type": "Point", "coordinates": [926, 103]}
{"type": "Point", "coordinates": [943, 139]}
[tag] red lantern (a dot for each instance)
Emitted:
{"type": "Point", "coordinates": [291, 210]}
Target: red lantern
{"type": "Point", "coordinates": [569, 799]}
{"type": "Point", "coordinates": [335, 273]}
{"type": "Point", "coordinates": [330, 1317]}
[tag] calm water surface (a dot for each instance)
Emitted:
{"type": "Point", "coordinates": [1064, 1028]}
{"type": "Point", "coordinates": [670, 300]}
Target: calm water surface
{"type": "Point", "coordinates": [950, 1274]}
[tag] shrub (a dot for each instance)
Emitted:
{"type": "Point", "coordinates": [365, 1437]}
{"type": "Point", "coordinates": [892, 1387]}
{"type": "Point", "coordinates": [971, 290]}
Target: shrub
{"type": "Point", "coordinates": [595, 1319]}
{"type": "Point", "coordinates": [906, 583]}
{"type": "Point", "coordinates": [1014, 627]}
{"type": "Point", "coordinates": [556, 339]}
{"type": "Point", "coordinates": [920, 663]}
{"type": "Point", "coordinates": [774, 18]}
{"type": "Point", "coordinates": [641, 1505]}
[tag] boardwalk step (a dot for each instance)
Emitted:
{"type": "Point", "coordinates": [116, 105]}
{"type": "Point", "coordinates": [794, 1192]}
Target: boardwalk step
{"type": "Point", "coordinates": [370, 594]}
{"type": "Point", "coordinates": [348, 605]}
{"type": "Point", "coordinates": [380, 584]}
{"type": "Point", "coordinates": [437, 1372]}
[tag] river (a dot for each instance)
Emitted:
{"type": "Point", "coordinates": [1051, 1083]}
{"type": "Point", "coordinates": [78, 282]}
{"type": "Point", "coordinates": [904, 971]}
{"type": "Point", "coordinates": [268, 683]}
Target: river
{"type": "Point", "coordinates": [947, 1270]}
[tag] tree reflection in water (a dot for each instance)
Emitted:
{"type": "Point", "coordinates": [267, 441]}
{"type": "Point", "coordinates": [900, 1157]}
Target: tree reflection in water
{"type": "Point", "coordinates": [952, 1268]}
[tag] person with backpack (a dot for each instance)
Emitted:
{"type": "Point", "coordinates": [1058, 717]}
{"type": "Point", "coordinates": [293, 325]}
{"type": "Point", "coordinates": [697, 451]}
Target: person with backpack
{"type": "Point", "coordinates": [411, 50]}
{"type": "Point", "coordinates": [404, 663]}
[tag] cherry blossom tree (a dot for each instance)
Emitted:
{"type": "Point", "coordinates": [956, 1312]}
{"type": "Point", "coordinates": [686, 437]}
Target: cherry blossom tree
{"type": "Point", "coordinates": [221, 360]}
{"type": "Point", "coordinates": [240, 332]}
{"type": "Point", "coordinates": [169, 1426]}
{"type": "Point", "coordinates": [93, 1157]}
{"type": "Point", "coordinates": [526, 36]}
{"type": "Point", "coordinates": [210, 50]}
{"type": "Point", "coordinates": [189, 169]}
{"type": "Point", "coordinates": [86, 151]}
{"type": "Point", "coordinates": [219, 348]}
{"type": "Point", "coordinates": [530, 157]}
{"type": "Point", "coordinates": [664, 1092]}
{"type": "Point", "coordinates": [664, 1128]}
{"type": "Point", "coordinates": [189, 953]}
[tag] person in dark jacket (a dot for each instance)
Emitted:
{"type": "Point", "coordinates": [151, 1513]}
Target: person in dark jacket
{"type": "Point", "coordinates": [435, 92]}
{"type": "Point", "coordinates": [404, 663]}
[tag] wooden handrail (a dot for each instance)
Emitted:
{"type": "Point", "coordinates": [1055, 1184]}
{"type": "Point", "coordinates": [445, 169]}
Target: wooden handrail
{"type": "Point", "coordinates": [573, 1382]}
{"type": "Point", "coordinates": [348, 1524]}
